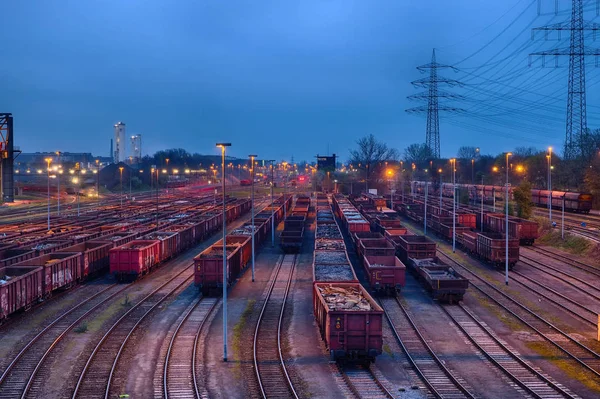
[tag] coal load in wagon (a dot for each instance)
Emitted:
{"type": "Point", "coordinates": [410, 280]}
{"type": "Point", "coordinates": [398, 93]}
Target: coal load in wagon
{"type": "Point", "coordinates": [334, 273]}
{"type": "Point", "coordinates": [329, 245]}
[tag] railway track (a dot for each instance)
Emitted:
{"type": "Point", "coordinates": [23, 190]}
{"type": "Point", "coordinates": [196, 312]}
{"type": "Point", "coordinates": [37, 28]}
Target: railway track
{"type": "Point", "coordinates": [531, 381]}
{"type": "Point", "coordinates": [17, 378]}
{"type": "Point", "coordinates": [431, 369]}
{"type": "Point", "coordinates": [576, 309]}
{"type": "Point", "coordinates": [571, 262]}
{"type": "Point", "coordinates": [97, 374]}
{"type": "Point", "coordinates": [179, 374]}
{"type": "Point", "coordinates": [269, 365]}
{"type": "Point", "coordinates": [363, 383]}
{"type": "Point", "coordinates": [582, 285]}
{"type": "Point", "coordinates": [574, 349]}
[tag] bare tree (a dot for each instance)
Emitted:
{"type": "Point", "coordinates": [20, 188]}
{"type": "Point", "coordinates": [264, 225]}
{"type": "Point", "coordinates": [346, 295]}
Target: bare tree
{"type": "Point", "coordinates": [525, 152]}
{"type": "Point", "coordinates": [371, 153]}
{"type": "Point", "coordinates": [417, 153]}
{"type": "Point", "coordinates": [466, 152]}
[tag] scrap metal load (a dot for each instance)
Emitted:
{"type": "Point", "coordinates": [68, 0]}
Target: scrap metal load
{"type": "Point", "coordinates": [208, 265]}
{"type": "Point", "coordinates": [349, 319]}
{"type": "Point", "coordinates": [292, 235]}
{"type": "Point", "coordinates": [41, 262]}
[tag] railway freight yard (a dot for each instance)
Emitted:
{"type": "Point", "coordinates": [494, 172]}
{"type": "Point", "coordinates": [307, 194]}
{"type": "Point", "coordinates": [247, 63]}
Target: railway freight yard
{"type": "Point", "coordinates": [226, 200]}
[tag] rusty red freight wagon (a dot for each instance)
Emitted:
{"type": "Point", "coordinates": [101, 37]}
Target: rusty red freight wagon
{"type": "Point", "coordinates": [386, 274]}
{"type": "Point", "coordinates": [291, 240]}
{"type": "Point", "coordinates": [61, 269]}
{"type": "Point", "coordinates": [134, 259]}
{"type": "Point", "coordinates": [356, 237]}
{"type": "Point", "coordinates": [443, 282]}
{"type": "Point", "coordinates": [20, 288]}
{"type": "Point", "coordinates": [376, 247]}
{"type": "Point", "coordinates": [169, 246]}
{"type": "Point", "coordinates": [350, 332]}
{"type": "Point", "coordinates": [13, 255]}
{"type": "Point", "coordinates": [244, 243]}
{"type": "Point", "coordinates": [208, 269]}
{"type": "Point", "coordinates": [416, 247]}
{"type": "Point", "coordinates": [492, 248]}
{"type": "Point", "coordinates": [94, 256]}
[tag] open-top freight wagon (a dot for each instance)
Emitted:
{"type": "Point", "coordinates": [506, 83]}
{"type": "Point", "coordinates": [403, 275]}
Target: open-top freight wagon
{"type": "Point", "coordinates": [443, 282]}
{"type": "Point", "coordinates": [349, 320]}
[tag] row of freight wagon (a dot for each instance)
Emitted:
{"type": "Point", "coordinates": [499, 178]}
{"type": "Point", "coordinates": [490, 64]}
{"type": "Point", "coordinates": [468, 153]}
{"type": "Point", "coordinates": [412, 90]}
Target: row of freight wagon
{"type": "Point", "coordinates": [28, 240]}
{"type": "Point", "coordinates": [208, 265]}
{"type": "Point", "coordinates": [390, 240]}
{"type": "Point", "coordinates": [349, 319]}
{"type": "Point", "coordinates": [292, 235]}
{"type": "Point", "coordinates": [30, 277]}
{"type": "Point", "coordinates": [488, 245]}
{"type": "Point", "coordinates": [141, 256]}
{"type": "Point", "coordinates": [526, 231]}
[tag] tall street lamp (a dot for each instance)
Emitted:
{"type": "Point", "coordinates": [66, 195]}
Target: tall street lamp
{"type": "Point", "coordinates": [121, 173]}
{"type": "Point", "coordinates": [284, 193]}
{"type": "Point", "coordinates": [453, 162]}
{"type": "Point", "coordinates": [223, 146]}
{"type": "Point", "coordinates": [272, 161]}
{"type": "Point", "coordinates": [98, 180]}
{"type": "Point", "coordinates": [390, 174]}
{"type": "Point", "coordinates": [252, 178]}
{"type": "Point", "coordinates": [78, 170]}
{"type": "Point", "coordinates": [48, 160]}
{"type": "Point", "coordinates": [58, 178]}
{"type": "Point", "coordinates": [440, 189]}
{"type": "Point", "coordinates": [167, 184]}
{"type": "Point", "coordinates": [508, 154]}
{"type": "Point", "coordinates": [550, 184]}
{"type": "Point", "coordinates": [58, 173]}
{"type": "Point", "coordinates": [472, 170]}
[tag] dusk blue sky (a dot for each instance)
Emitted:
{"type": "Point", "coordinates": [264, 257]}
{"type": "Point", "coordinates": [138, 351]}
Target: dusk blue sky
{"type": "Point", "coordinates": [279, 78]}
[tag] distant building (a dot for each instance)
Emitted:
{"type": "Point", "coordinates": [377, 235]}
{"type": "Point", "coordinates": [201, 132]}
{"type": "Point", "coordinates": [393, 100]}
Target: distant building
{"type": "Point", "coordinates": [120, 154]}
{"type": "Point", "coordinates": [136, 148]}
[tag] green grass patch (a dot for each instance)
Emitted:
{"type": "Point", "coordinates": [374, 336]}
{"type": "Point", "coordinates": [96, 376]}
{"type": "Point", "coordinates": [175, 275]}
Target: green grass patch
{"type": "Point", "coordinates": [387, 350]}
{"type": "Point", "coordinates": [238, 332]}
{"type": "Point", "coordinates": [569, 367]}
{"type": "Point", "coordinates": [82, 328]}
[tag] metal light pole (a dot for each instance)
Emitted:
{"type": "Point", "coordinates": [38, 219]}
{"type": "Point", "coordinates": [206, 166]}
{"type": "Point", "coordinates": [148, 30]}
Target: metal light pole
{"type": "Point", "coordinates": [58, 172]}
{"type": "Point", "coordinates": [98, 180]}
{"type": "Point", "coordinates": [472, 171]}
{"type": "Point", "coordinates": [425, 212]}
{"type": "Point", "coordinates": [562, 227]}
{"type": "Point", "coordinates": [550, 184]}
{"type": "Point", "coordinates": [129, 184]}
{"type": "Point", "coordinates": [167, 183]}
{"type": "Point", "coordinates": [78, 186]}
{"type": "Point", "coordinates": [453, 162]}
{"type": "Point", "coordinates": [284, 193]}
{"type": "Point", "coordinates": [272, 211]}
{"type": "Point", "coordinates": [48, 160]}
{"type": "Point", "coordinates": [506, 200]}
{"type": "Point", "coordinates": [58, 178]}
{"type": "Point", "coordinates": [440, 189]}
{"type": "Point", "coordinates": [482, 203]}
{"type": "Point", "coordinates": [223, 146]}
{"type": "Point", "coordinates": [252, 177]}
{"type": "Point", "coordinates": [157, 188]}
{"type": "Point", "coordinates": [121, 179]}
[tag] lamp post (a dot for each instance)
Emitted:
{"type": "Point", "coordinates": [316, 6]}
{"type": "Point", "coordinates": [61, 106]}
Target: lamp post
{"type": "Point", "coordinates": [78, 170]}
{"type": "Point", "coordinates": [167, 183]}
{"type": "Point", "coordinates": [481, 203]}
{"type": "Point", "coordinates": [425, 210]}
{"type": "Point", "coordinates": [252, 178]}
{"type": "Point", "coordinates": [223, 146]}
{"type": "Point", "coordinates": [472, 170]}
{"type": "Point", "coordinates": [48, 160]}
{"type": "Point", "coordinates": [98, 180]}
{"type": "Point", "coordinates": [453, 162]}
{"type": "Point", "coordinates": [562, 225]}
{"type": "Point", "coordinates": [58, 179]}
{"type": "Point", "coordinates": [550, 184]}
{"type": "Point", "coordinates": [284, 193]}
{"type": "Point", "coordinates": [272, 211]}
{"type": "Point", "coordinates": [121, 179]}
{"type": "Point", "coordinates": [508, 154]}
{"type": "Point", "coordinates": [440, 189]}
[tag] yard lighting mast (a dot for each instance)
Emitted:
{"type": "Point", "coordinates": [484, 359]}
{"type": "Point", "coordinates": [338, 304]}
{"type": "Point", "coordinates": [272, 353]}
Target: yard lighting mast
{"type": "Point", "coordinates": [252, 177]}
{"type": "Point", "coordinates": [223, 146]}
{"type": "Point", "coordinates": [272, 211]}
{"type": "Point", "coordinates": [508, 154]}
{"type": "Point", "coordinates": [48, 160]}
{"type": "Point", "coordinates": [453, 162]}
